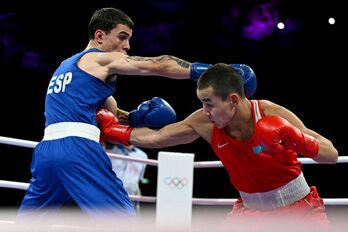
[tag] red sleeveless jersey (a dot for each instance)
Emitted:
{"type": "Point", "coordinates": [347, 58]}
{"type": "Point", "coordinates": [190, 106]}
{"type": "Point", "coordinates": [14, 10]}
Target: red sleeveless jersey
{"type": "Point", "coordinates": [250, 172]}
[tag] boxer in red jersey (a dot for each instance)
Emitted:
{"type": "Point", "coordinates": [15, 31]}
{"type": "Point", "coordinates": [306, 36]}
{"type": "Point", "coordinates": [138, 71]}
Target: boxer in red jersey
{"type": "Point", "coordinates": [258, 143]}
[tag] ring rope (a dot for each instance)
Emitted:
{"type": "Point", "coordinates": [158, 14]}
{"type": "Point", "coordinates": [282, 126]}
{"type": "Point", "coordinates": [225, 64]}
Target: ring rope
{"type": "Point", "coordinates": [218, 164]}
{"type": "Point", "coordinates": [18, 142]}
{"type": "Point", "coordinates": [195, 201]}
{"type": "Point", "coordinates": [151, 162]}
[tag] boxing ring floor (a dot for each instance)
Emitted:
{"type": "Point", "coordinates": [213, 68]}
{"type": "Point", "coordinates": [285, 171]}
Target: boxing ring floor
{"type": "Point", "coordinates": [207, 213]}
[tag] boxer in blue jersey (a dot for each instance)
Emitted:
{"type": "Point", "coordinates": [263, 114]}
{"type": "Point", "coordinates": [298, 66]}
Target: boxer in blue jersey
{"type": "Point", "coordinates": [69, 164]}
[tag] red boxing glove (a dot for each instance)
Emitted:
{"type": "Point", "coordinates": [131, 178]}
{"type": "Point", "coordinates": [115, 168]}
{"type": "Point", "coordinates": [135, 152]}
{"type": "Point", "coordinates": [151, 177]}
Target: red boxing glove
{"type": "Point", "coordinates": [275, 133]}
{"type": "Point", "coordinates": [111, 130]}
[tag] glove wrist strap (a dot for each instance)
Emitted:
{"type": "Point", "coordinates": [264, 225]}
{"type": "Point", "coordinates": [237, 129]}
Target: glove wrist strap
{"type": "Point", "coordinates": [197, 69]}
{"type": "Point", "coordinates": [310, 146]}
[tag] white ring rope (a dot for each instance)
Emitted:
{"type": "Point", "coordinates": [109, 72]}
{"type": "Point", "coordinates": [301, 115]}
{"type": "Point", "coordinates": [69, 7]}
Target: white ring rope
{"type": "Point", "coordinates": [200, 164]}
{"type": "Point", "coordinates": [218, 164]}
{"type": "Point", "coordinates": [14, 185]}
{"type": "Point", "coordinates": [195, 201]}
{"type": "Point", "coordinates": [135, 159]}
{"type": "Point", "coordinates": [18, 142]}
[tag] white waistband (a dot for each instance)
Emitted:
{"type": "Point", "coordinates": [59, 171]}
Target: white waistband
{"type": "Point", "coordinates": [285, 195]}
{"type": "Point", "coordinates": [65, 129]}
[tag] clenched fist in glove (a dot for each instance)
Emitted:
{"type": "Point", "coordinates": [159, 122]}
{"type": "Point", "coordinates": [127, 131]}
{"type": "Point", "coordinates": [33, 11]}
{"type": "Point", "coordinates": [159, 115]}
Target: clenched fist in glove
{"type": "Point", "coordinates": [154, 113]}
{"type": "Point", "coordinates": [111, 130]}
{"type": "Point", "coordinates": [275, 133]}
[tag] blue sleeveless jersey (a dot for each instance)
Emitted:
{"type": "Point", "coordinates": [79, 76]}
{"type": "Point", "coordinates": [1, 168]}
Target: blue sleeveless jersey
{"type": "Point", "coordinates": [74, 168]}
{"type": "Point", "coordinates": [74, 95]}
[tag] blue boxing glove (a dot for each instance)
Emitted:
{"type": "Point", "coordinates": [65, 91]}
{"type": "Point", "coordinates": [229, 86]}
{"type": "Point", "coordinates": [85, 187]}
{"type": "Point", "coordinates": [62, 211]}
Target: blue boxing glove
{"type": "Point", "coordinates": [154, 113]}
{"type": "Point", "coordinates": [248, 75]}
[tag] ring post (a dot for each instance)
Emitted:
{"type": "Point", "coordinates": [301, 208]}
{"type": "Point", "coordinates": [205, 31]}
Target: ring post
{"type": "Point", "coordinates": [174, 189]}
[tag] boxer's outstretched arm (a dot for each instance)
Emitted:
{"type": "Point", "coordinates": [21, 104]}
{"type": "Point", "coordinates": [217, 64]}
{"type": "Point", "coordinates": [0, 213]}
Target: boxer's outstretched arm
{"type": "Point", "coordinates": [182, 132]}
{"type": "Point", "coordinates": [165, 65]}
{"type": "Point", "coordinates": [170, 135]}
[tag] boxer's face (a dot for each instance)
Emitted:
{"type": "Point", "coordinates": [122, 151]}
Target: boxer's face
{"type": "Point", "coordinates": [117, 40]}
{"type": "Point", "coordinates": [217, 110]}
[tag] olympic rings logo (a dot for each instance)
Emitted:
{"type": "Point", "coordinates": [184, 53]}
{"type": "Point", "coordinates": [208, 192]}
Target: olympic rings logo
{"type": "Point", "coordinates": [176, 182]}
